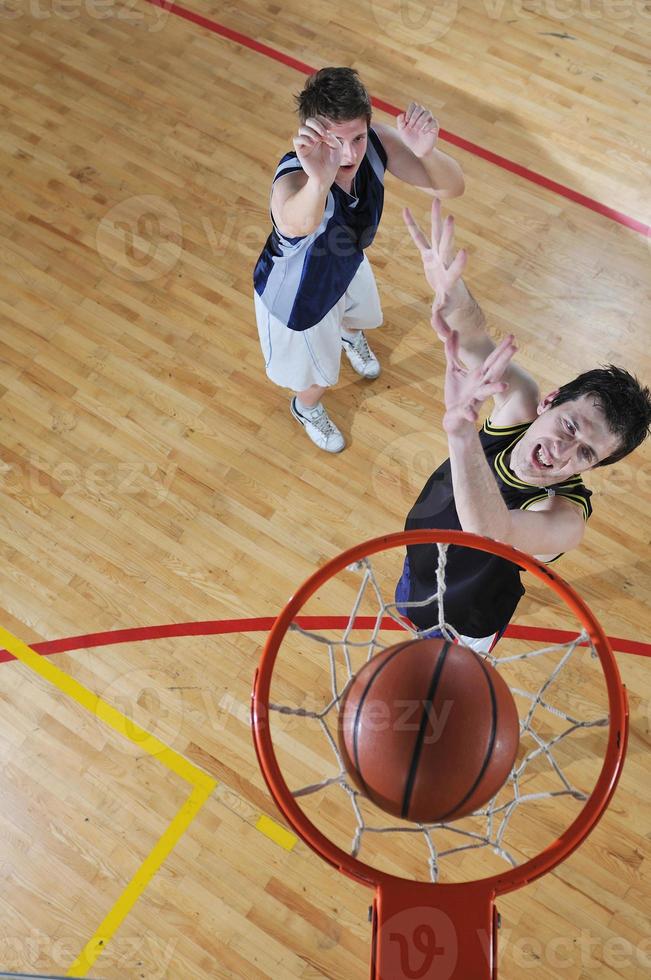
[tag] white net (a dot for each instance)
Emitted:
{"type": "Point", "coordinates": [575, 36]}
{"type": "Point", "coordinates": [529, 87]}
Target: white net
{"type": "Point", "coordinates": [560, 693]}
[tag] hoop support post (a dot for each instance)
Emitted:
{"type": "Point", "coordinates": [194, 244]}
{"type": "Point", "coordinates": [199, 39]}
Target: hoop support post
{"type": "Point", "coordinates": [425, 933]}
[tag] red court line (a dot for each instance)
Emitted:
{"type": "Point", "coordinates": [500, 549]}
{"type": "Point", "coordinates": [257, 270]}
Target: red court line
{"type": "Point", "coordinates": [479, 151]}
{"type": "Point", "coordinates": [261, 624]}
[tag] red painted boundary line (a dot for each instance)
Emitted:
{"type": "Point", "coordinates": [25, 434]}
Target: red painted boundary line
{"type": "Point", "coordinates": [261, 624]}
{"type": "Point", "coordinates": [479, 151]}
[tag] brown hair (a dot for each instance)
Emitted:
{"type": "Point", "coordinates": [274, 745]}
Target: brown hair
{"type": "Point", "coordinates": [336, 93]}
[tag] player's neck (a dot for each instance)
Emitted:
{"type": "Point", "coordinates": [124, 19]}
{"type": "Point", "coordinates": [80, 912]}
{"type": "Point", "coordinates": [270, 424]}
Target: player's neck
{"type": "Point", "coordinates": [347, 185]}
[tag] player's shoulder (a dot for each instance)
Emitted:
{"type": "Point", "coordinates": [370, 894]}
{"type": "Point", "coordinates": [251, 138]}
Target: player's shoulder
{"type": "Point", "coordinates": [385, 140]}
{"type": "Point", "coordinates": [494, 429]}
{"type": "Point", "coordinates": [288, 179]}
{"type": "Point", "coordinates": [289, 166]}
{"type": "Point", "coordinates": [383, 132]}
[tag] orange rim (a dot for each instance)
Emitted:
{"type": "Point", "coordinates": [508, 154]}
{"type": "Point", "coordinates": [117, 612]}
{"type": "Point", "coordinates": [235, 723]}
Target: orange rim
{"type": "Point", "coordinates": [594, 806]}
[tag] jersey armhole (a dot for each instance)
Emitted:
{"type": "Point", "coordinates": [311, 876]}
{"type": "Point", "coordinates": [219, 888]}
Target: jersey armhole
{"type": "Point", "coordinates": [376, 142]}
{"type": "Point", "coordinates": [578, 500]}
{"type": "Point", "coordinates": [279, 176]}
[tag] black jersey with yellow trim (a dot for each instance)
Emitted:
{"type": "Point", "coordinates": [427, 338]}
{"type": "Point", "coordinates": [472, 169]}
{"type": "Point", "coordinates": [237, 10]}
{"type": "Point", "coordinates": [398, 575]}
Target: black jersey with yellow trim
{"type": "Point", "coordinates": [482, 590]}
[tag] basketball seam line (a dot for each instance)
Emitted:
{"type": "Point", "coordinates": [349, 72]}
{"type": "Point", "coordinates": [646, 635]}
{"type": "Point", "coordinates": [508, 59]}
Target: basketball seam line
{"type": "Point", "coordinates": [418, 747]}
{"type": "Point", "coordinates": [358, 713]}
{"type": "Point", "coordinates": [491, 742]}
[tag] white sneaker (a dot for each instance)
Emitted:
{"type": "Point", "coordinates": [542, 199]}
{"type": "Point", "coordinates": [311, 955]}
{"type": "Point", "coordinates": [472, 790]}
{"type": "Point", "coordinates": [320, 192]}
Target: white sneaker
{"type": "Point", "coordinates": [319, 427]}
{"type": "Point", "coordinates": [361, 356]}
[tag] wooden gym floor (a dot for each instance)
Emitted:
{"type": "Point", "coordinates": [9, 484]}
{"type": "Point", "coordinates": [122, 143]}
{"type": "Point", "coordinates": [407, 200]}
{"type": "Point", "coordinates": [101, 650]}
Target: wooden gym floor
{"type": "Point", "coordinates": [150, 475]}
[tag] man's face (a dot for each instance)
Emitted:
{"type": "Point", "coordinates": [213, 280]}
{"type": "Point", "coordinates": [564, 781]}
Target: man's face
{"type": "Point", "coordinates": [563, 442]}
{"type": "Point", "coordinates": [353, 136]}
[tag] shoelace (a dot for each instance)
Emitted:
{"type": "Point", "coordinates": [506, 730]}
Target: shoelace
{"type": "Point", "coordinates": [360, 344]}
{"type": "Point", "coordinates": [324, 424]}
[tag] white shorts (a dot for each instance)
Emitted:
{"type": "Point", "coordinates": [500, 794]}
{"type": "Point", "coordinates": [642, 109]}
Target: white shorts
{"type": "Point", "coordinates": [298, 359]}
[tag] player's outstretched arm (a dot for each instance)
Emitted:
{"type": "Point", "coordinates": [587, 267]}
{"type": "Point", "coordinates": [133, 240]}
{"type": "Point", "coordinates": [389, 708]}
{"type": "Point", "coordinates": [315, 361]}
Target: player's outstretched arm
{"type": "Point", "coordinates": [479, 503]}
{"type": "Point", "coordinates": [413, 156]}
{"type": "Point", "coordinates": [298, 199]}
{"type": "Point", "coordinates": [443, 270]}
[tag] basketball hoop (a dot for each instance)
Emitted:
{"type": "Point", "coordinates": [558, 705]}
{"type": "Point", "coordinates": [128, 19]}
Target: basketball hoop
{"type": "Point", "coordinates": [443, 931]}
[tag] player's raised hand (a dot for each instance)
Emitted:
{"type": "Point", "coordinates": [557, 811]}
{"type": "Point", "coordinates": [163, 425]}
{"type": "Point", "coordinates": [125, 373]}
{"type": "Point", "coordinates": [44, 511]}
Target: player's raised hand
{"type": "Point", "coordinates": [418, 129]}
{"type": "Point", "coordinates": [441, 266]}
{"type": "Point", "coordinates": [318, 150]}
{"type": "Point", "coordinates": [466, 390]}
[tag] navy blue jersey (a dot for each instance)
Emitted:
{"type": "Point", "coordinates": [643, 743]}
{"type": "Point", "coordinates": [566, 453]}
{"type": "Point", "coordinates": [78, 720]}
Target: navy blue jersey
{"type": "Point", "coordinates": [482, 590]}
{"type": "Point", "coordinates": [299, 280]}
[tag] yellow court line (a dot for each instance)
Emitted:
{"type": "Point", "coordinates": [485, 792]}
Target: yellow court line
{"type": "Point", "coordinates": [203, 786]}
{"type": "Point", "coordinates": [101, 709]}
{"type": "Point", "coordinates": [276, 832]}
{"type": "Point", "coordinates": [141, 879]}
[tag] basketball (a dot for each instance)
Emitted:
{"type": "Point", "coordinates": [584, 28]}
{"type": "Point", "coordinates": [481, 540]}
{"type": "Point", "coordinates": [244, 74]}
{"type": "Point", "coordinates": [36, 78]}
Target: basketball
{"type": "Point", "coordinates": [428, 730]}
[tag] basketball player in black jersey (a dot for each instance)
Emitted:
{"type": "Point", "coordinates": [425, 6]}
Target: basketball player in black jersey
{"type": "Point", "coordinates": [518, 479]}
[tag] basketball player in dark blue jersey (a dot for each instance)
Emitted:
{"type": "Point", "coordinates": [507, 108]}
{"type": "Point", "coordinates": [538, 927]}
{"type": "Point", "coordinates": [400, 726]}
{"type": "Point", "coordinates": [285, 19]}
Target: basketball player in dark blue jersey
{"type": "Point", "coordinates": [315, 292]}
{"type": "Point", "coordinates": [518, 479]}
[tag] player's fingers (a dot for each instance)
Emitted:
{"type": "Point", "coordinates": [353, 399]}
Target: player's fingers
{"type": "Point", "coordinates": [304, 142]}
{"type": "Point", "coordinates": [486, 391]}
{"type": "Point", "coordinates": [436, 221]}
{"type": "Point", "coordinates": [318, 123]}
{"type": "Point", "coordinates": [310, 134]}
{"type": "Point", "coordinates": [452, 352]}
{"type": "Point", "coordinates": [311, 127]}
{"type": "Point", "coordinates": [502, 353]}
{"type": "Point", "coordinates": [410, 109]}
{"type": "Point", "coordinates": [418, 116]}
{"type": "Point", "coordinates": [447, 238]}
{"type": "Point", "coordinates": [331, 140]}
{"type": "Point", "coordinates": [419, 239]}
{"type": "Point", "coordinates": [472, 410]}
{"type": "Point", "coordinates": [496, 363]}
{"type": "Point", "coordinates": [458, 264]}
{"type": "Point", "coordinates": [467, 413]}
{"type": "Point", "coordinates": [308, 131]}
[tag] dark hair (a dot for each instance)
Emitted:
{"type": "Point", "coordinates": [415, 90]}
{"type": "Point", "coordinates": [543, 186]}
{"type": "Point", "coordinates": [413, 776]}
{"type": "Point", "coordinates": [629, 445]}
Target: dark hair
{"type": "Point", "coordinates": [624, 402]}
{"type": "Point", "coordinates": [337, 94]}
